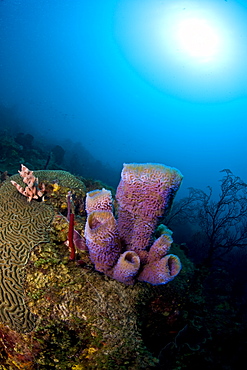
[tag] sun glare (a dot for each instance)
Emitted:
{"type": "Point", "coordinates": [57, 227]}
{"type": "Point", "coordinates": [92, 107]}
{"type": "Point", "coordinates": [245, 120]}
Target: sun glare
{"type": "Point", "coordinates": [191, 49]}
{"type": "Point", "coordinates": [198, 39]}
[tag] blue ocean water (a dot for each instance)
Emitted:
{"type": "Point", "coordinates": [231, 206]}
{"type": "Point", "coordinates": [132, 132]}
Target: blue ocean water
{"type": "Point", "coordinates": [99, 83]}
{"type": "Point", "coordinates": [128, 82]}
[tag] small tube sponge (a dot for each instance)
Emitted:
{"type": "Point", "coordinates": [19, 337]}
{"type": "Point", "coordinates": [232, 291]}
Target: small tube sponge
{"type": "Point", "coordinates": [102, 240]}
{"type": "Point", "coordinates": [99, 200]}
{"type": "Point", "coordinates": [127, 267]}
{"type": "Point", "coordinates": [160, 247]}
{"type": "Point", "coordinates": [162, 271]}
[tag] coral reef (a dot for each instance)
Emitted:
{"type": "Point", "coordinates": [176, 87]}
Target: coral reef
{"type": "Point", "coordinates": [23, 225]}
{"type": "Point", "coordinates": [19, 149]}
{"type": "Point", "coordinates": [25, 140]}
{"type": "Point", "coordinates": [81, 319]}
{"type": "Point", "coordinates": [65, 314]}
{"type": "Point", "coordinates": [20, 234]}
{"type": "Point", "coordinates": [85, 320]}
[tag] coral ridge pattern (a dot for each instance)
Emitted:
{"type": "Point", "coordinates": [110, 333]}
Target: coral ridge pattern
{"type": "Point", "coordinates": [23, 225]}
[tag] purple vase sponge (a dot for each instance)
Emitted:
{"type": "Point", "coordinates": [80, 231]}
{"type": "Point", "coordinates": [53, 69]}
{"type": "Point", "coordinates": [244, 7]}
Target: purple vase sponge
{"type": "Point", "coordinates": [99, 200]}
{"type": "Point", "coordinates": [144, 194]}
{"type": "Point", "coordinates": [162, 271]}
{"type": "Point", "coordinates": [102, 240]}
{"type": "Point", "coordinates": [127, 268]}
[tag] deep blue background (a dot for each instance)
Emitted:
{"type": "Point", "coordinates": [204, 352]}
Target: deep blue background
{"type": "Point", "coordinates": [96, 72]}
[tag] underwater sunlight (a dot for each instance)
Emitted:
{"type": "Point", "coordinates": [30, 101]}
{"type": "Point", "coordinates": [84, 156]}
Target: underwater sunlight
{"type": "Point", "coordinates": [198, 39]}
{"type": "Point", "coordinates": [191, 50]}
{"type": "Point", "coordinates": [123, 184]}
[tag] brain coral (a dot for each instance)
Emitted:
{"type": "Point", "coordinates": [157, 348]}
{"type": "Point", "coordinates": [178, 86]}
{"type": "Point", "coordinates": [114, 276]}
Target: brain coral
{"type": "Point", "coordinates": [23, 225]}
{"type": "Point", "coordinates": [64, 178]}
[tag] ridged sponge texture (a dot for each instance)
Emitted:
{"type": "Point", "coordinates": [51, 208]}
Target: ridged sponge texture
{"type": "Point", "coordinates": [102, 240]}
{"type": "Point", "coordinates": [144, 194]}
{"type": "Point", "coordinates": [98, 200]}
{"type": "Point", "coordinates": [161, 271]}
{"type": "Point", "coordinates": [127, 268]}
{"type": "Point", "coordinates": [147, 190]}
{"type": "Point", "coordinates": [160, 247]}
